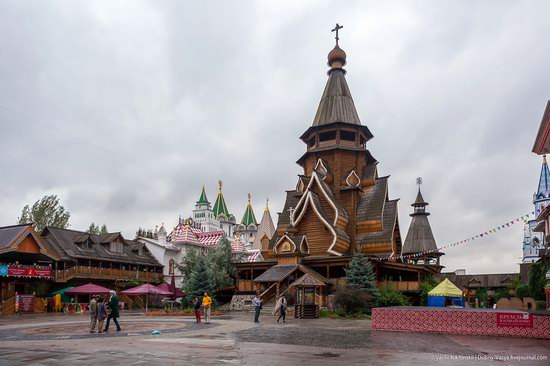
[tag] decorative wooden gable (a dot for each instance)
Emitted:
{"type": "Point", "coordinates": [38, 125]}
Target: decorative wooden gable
{"type": "Point", "coordinates": [292, 245]}
{"type": "Point", "coordinates": [318, 214]}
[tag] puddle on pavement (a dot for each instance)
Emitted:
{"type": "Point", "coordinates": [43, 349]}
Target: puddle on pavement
{"type": "Point", "coordinates": [329, 354]}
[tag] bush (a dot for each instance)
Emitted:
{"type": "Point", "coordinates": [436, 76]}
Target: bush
{"type": "Point", "coordinates": [389, 297]}
{"type": "Point", "coordinates": [522, 291]}
{"type": "Point", "coordinates": [425, 288]}
{"type": "Point", "coordinates": [350, 301]}
{"type": "Point", "coordinates": [324, 313]}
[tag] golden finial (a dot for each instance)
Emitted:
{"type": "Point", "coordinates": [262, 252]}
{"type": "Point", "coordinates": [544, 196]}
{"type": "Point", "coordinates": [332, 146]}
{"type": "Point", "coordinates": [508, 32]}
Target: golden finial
{"type": "Point", "coordinates": [220, 183]}
{"type": "Point", "coordinates": [544, 159]}
{"type": "Point", "coordinates": [249, 196]}
{"type": "Point", "coordinates": [267, 204]}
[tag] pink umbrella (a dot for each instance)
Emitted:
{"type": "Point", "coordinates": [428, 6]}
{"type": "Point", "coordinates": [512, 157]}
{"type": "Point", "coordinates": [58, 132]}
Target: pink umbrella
{"type": "Point", "coordinates": [146, 289]}
{"type": "Point", "coordinates": [87, 289]}
{"type": "Point", "coordinates": [175, 294]}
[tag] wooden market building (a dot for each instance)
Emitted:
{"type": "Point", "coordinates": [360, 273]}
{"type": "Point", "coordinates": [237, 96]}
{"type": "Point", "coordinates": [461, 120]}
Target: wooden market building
{"type": "Point", "coordinates": [35, 265]}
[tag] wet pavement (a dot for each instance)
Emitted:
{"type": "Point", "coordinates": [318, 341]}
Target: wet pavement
{"type": "Point", "coordinates": [235, 339]}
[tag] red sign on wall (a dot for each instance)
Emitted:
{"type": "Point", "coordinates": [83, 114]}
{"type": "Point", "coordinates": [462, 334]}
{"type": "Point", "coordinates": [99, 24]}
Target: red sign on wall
{"type": "Point", "coordinates": [29, 272]}
{"type": "Point", "coordinates": [25, 303]}
{"type": "Point", "coordinates": [524, 320]}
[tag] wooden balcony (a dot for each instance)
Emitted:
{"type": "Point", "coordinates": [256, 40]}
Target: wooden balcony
{"type": "Point", "coordinates": [105, 274]}
{"type": "Point", "coordinates": [400, 285]}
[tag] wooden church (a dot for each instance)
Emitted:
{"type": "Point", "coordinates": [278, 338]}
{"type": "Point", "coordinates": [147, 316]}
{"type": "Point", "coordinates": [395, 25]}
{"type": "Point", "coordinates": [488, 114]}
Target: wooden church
{"type": "Point", "coordinates": [339, 205]}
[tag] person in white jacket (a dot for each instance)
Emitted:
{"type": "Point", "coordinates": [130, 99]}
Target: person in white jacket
{"type": "Point", "coordinates": [280, 308]}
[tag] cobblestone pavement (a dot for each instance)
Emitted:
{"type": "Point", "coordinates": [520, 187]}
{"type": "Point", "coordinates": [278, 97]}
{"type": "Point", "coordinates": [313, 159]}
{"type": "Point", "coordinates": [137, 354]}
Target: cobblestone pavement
{"type": "Point", "coordinates": [235, 339]}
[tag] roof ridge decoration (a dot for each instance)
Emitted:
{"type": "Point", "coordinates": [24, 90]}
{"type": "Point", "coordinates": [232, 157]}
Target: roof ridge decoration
{"type": "Point", "coordinates": [203, 200]}
{"type": "Point", "coordinates": [220, 208]}
{"type": "Point", "coordinates": [249, 218]}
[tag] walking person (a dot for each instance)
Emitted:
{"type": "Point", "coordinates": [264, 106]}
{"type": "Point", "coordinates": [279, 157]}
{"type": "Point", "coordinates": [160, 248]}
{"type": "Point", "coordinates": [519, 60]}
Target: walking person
{"type": "Point", "coordinates": [197, 303]}
{"type": "Point", "coordinates": [113, 305]}
{"type": "Point", "coordinates": [93, 313]}
{"type": "Point", "coordinates": [207, 305]}
{"type": "Point", "coordinates": [257, 302]}
{"type": "Point", "coordinates": [101, 314]}
{"type": "Point", "coordinates": [280, 308]}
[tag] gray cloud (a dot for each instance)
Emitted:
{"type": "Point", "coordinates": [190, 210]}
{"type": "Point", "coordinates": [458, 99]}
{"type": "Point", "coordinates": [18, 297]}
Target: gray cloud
{"type": "Point", "coordinates": [179, 94]}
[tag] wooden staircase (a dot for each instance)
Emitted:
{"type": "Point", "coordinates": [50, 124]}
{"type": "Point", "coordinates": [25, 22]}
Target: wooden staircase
{"type": "Point", "coordinates": [40, 305]}
{"type": "Point", "coordinates": [306, 311]}
{"type": "Point", "coordinates": [8, 306]}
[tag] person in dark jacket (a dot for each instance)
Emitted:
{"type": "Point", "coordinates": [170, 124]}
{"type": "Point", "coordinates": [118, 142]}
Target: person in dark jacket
{"type": "Point", "coordinates": [197, 303]}
{"type": "Point", "coordinates": [101, 314]}
{"type": "Point", "coordinates": [113, 306]}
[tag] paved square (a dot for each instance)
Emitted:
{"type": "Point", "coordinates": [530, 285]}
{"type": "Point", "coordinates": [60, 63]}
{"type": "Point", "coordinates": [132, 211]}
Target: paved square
{"type": "Point", "coordinates": [235, 339]}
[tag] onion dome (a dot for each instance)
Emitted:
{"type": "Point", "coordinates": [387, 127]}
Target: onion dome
{"type": "Point", "coordinates": [336, 57]}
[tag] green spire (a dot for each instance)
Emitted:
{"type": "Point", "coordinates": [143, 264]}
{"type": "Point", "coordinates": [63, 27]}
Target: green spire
{"type": "Point", "coordinates": [220, 208]}
{"type": "Point", "coordinates": [249, 217]}
{"type": "Point", "coordinates": [202, 199]}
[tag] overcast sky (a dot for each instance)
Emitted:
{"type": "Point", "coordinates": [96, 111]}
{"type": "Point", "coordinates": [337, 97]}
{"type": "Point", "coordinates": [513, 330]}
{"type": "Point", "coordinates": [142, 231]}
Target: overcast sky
{"type": "Point", "coordinates": [131, 106]}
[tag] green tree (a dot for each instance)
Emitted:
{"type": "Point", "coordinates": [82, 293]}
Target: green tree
{"type": "Point", "coordinates": [522, 291]}
{"type": "Point", "coordinates": [93, 229]}
{"type": "Point", "coordinates": [45, 212]}
{"type": "Point", "coordinates": [219, 262]}
{"type": "Point", "coordinates": [360, 275]}
{"type": "Point", "coordinates": [200, 280]}
{"type": "Point", "coordinates": [187, 264]}
{"type": "Point", "coordinates": [537, 279]}
{"type": "Point", "coordinates": [104, 229]}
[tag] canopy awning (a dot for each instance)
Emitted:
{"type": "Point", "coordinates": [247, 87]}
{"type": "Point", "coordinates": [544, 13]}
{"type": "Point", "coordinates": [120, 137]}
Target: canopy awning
{"type": "Point", "coordinates": [146, 289]}
{"type": "Point", "coordinates": [446, 288]}
{"type": "Point", "coordinates": [87, 289]}
{"type": "Point", "coordinates": [176, 292]}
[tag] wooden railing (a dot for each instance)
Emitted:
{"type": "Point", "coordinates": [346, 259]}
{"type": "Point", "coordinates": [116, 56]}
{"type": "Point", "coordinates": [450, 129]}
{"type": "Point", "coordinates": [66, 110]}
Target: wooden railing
{"type": "Point", "coordinates": [8, 306]}
{"type": "Point", "coordinates": [269, 294]}
{"type": "Point", "coordinates": [400, 285]}
{"type": "Point", "coordinates": [105, 273]}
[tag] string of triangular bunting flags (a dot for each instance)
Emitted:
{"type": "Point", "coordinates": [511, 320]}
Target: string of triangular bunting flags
{"type": "Point", "coordinates": [484, 234]}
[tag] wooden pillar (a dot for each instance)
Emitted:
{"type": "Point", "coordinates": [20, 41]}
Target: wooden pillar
{"type": "Point", "coordinates": [328, 271]}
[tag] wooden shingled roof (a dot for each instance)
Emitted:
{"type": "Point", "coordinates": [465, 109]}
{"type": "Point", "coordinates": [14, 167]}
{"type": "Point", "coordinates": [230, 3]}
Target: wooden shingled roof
{"type": "Point", "coordinates": [69, 244]}
{"type": "Point", "coordinates": [336, 103]}
{"type": "Point", "coordinates": [307, 280]}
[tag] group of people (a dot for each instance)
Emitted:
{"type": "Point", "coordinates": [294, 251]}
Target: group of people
{"type": "Point", "coordinates": [100, 309]}
{"type": "Point", "coordinates": [204, 303]}
{"type": "Point", "coordinates": [279, 309]}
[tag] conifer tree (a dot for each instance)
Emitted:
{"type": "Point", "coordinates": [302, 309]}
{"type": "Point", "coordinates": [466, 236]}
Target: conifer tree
{"type": "Point", "coordinates": [361, 276]}
{"type": "Point", "coordinates": [200, 280]}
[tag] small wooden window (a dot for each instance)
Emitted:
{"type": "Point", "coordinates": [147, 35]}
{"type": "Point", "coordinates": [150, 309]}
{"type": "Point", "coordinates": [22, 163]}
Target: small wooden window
{"type": "Point", "coordinates": [327, 136]}
{"type": "Point", "coordinates": [347, 136]}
